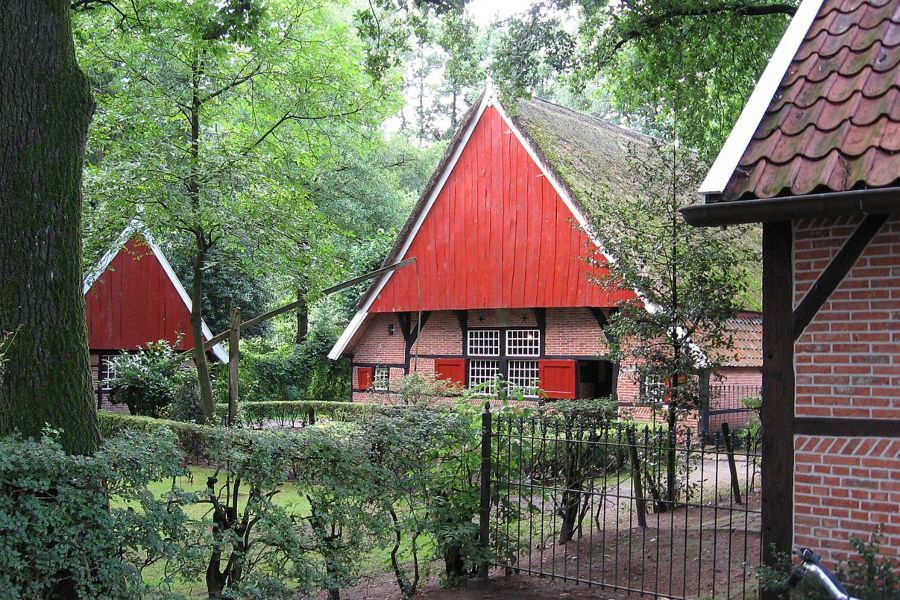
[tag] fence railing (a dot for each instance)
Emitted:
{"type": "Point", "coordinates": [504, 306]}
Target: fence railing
{"type": "Point", "coordinates": [629, 508]}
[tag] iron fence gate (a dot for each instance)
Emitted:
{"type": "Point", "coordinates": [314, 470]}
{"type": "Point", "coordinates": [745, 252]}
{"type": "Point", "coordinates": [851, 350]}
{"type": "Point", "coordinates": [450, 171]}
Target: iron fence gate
{"type": "Point", "coordinates": [730, 404]}
{"type": "Point", "coordinates": [629, 508]}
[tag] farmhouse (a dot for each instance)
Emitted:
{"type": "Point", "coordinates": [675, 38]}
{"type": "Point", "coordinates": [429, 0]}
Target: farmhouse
{"type": "Point", "coordinates": [501, 284]}
{"type": "Point", "coordinates": [131, 298]}
{"type": "Point", "coordinates": [815, 157]}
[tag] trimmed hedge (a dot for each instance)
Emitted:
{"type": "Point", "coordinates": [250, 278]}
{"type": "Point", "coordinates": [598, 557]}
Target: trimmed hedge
{"type": "Point", "coordinates": [299, 413]}
{"type": "Point", "coordinates": [192, 438]}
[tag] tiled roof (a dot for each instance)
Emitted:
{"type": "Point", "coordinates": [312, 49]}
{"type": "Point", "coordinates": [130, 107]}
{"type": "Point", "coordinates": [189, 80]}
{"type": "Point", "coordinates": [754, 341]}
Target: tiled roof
{"type": "Point", "coordinates": [834, 123]}
{"type": "Point", "coordinates": [745, 329]}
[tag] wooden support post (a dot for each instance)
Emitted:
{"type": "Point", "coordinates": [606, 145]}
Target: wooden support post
{"type": "Point", "coordinates": [234, 359]}
{"type": "Point", "coordinates": [704, 405]}
{"type": "Point", "coordinates": [484, 517]}
{"type": "Point", "coordinates": [729, 450]}
{"type": "Point", "coordinates": [777, 412]}
{"type": "Point", "coordinates": [639, 499]}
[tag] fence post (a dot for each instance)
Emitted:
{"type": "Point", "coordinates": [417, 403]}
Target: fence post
{"type": "Point", "coordinates": [704, 405]}
{"type": "Point", "coordinates": [484, 520]}
{"type": "Point", "coordinates": [636, 478]}
{"type": "Point", "coordinates": [234, 359]}
{"type": "Point", "coordinates": [729, 448]}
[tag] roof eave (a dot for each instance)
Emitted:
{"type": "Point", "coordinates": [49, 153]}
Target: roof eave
{"type": "Point", "coordinates": [730, 155]}
{"type": "Point", "coordinates": [788, 208]}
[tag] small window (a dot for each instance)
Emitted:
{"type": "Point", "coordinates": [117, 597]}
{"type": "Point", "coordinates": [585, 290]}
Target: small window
{"type": "Point", "coordinates": [484, 372]}
{"type": "Point", "coordinates": [653, 390]}
{"type": "Point", "coordinates": [107, 372]}
{"type": "Point", "coordinates": [382, 379]}
{"type": "Point", "coordinates": [484, 342]}
{"type": "Point", "coordinates": [523, 342]}
{"type": "Point", "coordinates": [523, 376]}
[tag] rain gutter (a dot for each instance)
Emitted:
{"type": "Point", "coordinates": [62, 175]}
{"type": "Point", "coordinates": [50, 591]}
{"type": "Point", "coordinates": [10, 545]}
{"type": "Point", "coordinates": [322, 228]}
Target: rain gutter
{"type": "Point", "coordinates": [788, 208]}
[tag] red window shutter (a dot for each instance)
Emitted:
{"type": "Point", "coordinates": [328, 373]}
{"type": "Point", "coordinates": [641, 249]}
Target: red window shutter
{"type": "Point", "coordinates": [451, 369]}
{"type": "Point", "coordinates": [557, 378]}
{"type": "Point", "coordinates": [364, 378]}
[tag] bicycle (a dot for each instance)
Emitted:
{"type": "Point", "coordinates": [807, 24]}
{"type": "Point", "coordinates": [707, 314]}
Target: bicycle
{"type": "Point", "coordinates": [812, 563]}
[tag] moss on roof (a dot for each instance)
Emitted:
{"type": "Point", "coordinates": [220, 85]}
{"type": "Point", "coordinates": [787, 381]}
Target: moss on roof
{"type": "Point", "coordinates": [593, 158]}
{"type": "Point", "coordinates": [589, 155]}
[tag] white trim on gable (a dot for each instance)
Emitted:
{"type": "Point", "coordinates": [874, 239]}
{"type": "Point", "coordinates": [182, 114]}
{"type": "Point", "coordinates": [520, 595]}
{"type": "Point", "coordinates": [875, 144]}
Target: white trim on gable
{"type": "Point", "coordinates": [346, 337]}
{"type": "Point", "coordinates": [730, 155]}
{"type": "Point", "coordinates": [135, 228]}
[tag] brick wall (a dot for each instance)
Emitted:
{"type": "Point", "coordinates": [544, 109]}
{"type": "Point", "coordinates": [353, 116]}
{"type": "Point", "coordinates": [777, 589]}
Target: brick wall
{"type": "Point", "coordinates": [846, 487]}
{"type": "Point", "coordinates": [847, 364]}
{"type": "Point", "coordinates": [574, 332]}
{"type": "Point", "coordinates": [441, 335]}
{"type": "Point", "coordinates": [377, 346]}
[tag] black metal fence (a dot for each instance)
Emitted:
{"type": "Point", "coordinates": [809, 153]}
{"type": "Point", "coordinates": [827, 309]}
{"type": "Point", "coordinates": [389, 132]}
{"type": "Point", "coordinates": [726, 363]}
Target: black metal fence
{"type": "Point", "coordinates": [629, 508]}
{"type": "Point", "coordinates": [728, 404]}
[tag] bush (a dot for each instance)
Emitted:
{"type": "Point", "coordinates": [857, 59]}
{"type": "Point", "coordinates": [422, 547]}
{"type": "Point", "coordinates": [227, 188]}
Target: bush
{"type": "Point", "coordinates": [58, 535]}
{"type": "Point", "coordinates": [155, 382]}
{"type": "Point", "coordinates": [298, 413]}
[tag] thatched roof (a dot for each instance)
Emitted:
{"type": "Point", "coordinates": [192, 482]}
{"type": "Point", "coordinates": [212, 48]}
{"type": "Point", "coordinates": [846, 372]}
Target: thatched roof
{"type": "Point", "coordinates": [589, 156]}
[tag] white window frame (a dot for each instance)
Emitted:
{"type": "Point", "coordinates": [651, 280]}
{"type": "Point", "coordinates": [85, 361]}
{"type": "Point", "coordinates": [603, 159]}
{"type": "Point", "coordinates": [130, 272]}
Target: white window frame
{"type": "Point", "coordinates": [519, 344]}
{"type": "Point", "coordinates": [381, 379]}
{"type": "Point", "coordinates": [475, 342]}
{"type": "Point", "coordinates": [483, 371]}
{"type": "Point", "coordinates": [106, 371]}
{"type": "Point", "coordinates": [527, 384]}
{"type": "Point", "coordinates": [653, 390]}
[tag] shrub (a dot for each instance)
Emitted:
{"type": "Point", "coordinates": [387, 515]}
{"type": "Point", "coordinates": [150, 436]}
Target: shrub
{"type": "Point", "coordinates": [154, 381]}
{"type": "Point", "coordinates": [58, 535]}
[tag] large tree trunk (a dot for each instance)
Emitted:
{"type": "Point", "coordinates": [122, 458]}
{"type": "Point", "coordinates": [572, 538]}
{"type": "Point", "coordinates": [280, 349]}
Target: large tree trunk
{"type": "Point", "coordinates": [45, 109]}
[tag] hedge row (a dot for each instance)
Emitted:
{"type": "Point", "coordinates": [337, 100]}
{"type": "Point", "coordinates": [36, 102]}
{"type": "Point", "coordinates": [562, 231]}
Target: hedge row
{"type": "Point", "coordinates": [299, 413]}
{"type": "Point", "coordinates": [192, 438]}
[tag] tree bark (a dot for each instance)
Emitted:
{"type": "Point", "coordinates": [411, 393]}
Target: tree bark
{"type": "Point", "coordinates": [302, 315]}
{"type": "Point", "coordinates": [206, 396]}
{"type": "Point", "coordinates": [45, 110]}
{"type": "Point", "coordinates": [201, 249]}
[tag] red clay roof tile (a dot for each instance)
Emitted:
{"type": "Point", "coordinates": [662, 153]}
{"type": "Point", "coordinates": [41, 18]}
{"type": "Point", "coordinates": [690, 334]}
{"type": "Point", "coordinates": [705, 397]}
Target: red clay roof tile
{"type": "Point", "coordinates": [834, 123]}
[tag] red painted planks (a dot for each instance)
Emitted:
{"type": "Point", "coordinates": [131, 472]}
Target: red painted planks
{"type": "Point", "coordinates": [497, 236]}
{"type": "Point", "coordinates": [134, 302]}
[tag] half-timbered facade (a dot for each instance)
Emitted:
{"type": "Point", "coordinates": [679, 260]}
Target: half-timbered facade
{"type": "Point", "coordinates": [815, 157]}
{"type": "Point", "coordinates": [131, 298]}
{"type": "Point", "coordinates": [502, 284]}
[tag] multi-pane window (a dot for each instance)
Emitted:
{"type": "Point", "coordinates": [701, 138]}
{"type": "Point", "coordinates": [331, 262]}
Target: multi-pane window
{"type": "Point", "coordinates": [483, 372]}
{"type": "Point", "coordinates": [523, 376]}
{"type": "Point", "coordinates": [381, 379]}
{"type": "Point", "coordinates": [523, 342]}
{"type": "Point", "coordinates": [484, 342]}
{"type": "Point", "coordinates": [653, 389]}
{"type": "Point", "coordinates": [107, 372]}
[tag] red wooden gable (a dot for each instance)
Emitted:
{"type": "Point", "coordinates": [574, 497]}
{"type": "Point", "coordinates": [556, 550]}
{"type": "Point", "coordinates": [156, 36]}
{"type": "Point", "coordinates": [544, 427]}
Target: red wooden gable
{"type": "Point", "coordinates": [134, 301]}
{"type": "Point", "coordinates": [497, 236]}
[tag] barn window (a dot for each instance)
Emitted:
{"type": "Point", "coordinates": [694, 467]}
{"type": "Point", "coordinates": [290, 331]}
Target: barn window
{"type": "Point", "coordinates": [107, 372]}
{"type": "Point", "coordinates": [484, 342]}
{"type": "Point", "coordinates": [523, 342]}
{"type": "Point", "coordinates": [523, 376]}
{"type": "Point", "coordinates": [484, 372]}
{"type": "Point", "coordinates": [653, 389]}
{"type": "Point", "coordinates": [381, 379]}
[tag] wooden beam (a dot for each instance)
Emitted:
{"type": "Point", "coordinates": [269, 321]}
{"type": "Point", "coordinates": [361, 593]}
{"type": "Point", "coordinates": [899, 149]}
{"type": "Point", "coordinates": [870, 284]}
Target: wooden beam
{"type": "Point", "coordinates": [293, 305]}
{"type": "Point", "coordinates": [777, 413]}
{"type": "Point", "coordinates": [234, 359]}
{"type": "Point", "coordinates": [835, 272]}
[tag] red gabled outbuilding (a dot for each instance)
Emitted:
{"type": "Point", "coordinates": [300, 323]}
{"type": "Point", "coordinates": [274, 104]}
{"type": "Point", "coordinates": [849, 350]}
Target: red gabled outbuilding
{"type": "Point", "coordinates": [133, 297]}
{"type": "Point", "coordinates": [502, 279]}
{"type": "Point", "coordinates": [815, 157]}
